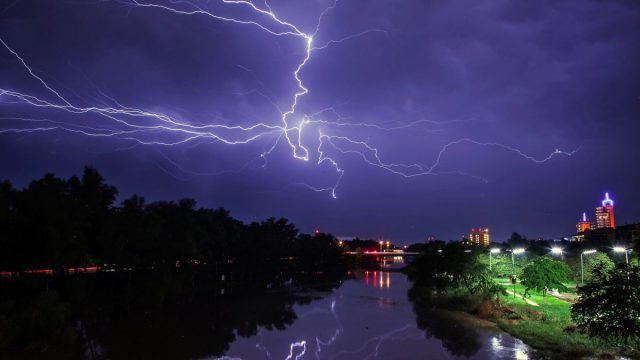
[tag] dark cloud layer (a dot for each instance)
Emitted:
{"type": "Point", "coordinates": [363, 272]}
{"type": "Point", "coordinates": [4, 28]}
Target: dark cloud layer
{"type": "Point", "coordinates": [531, 75]}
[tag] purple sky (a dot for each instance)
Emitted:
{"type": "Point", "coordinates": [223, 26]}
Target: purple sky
{"type": "Point", "coordinates": [485, 90]}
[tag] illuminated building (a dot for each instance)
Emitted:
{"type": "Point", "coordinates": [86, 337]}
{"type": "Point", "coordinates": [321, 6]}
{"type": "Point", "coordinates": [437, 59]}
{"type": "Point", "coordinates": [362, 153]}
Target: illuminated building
{"type": "Point", "coordinates": [584, 224]}
{"type": "Point", "coordinates": [480, 237]}
{"type": "Point", "coordinates": [604, 214]}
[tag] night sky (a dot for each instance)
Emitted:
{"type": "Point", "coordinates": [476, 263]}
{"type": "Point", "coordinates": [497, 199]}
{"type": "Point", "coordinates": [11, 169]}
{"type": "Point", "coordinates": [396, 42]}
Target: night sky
{"type": "Point", "coordinates": [165, 105]}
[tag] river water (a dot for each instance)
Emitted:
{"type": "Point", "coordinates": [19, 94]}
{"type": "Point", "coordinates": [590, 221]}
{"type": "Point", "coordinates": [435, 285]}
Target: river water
{"type": "Point", "coordinates": [371, 317]}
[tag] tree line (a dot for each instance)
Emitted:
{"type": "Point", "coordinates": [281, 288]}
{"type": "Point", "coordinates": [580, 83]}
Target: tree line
{"type": "Point", "coordinates": [62, 224]}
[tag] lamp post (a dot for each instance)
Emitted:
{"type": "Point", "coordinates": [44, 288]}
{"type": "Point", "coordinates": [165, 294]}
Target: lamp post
{"type": "Point", "coordinates": [514, 252]}
{"type": "Point", "coordinates": [586, 252]}
{"type": "Point", "coordinates": [381, 242]}
{"type": "Point", "coordinates": [492, 251]}
{"type": "Point", "coordinates": [620, 249]}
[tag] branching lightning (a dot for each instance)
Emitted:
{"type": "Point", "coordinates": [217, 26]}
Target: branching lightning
{"type": "Point", "coordinates": [143, 127]}
{"type": "Point", "coordinates": [378, 341]}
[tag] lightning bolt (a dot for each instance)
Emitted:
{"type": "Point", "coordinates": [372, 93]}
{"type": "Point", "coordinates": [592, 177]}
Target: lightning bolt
{"type": "Point", "coordinates": [302, 344]}
{"type": "Point", "coordinates": [151, 128]}
{"type": "Point", "coordinates": [319, 343]}
{"type": "Point", "coordinates": [379, 340]}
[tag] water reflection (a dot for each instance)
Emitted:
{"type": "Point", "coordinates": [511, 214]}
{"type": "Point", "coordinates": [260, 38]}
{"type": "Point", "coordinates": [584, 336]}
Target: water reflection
{"type": "Point", "coordinates": [185, 317]}
{"type": "Point", "coordinates": [364, 317]}
{"type": "Point", "coordinates": [378, 279]}
{"type": "Point", "coordinates": [367, 318]}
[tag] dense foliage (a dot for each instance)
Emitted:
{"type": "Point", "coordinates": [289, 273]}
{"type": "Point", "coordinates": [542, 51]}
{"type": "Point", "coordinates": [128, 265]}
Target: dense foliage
{"type": "Point", "coordinates": [63, 224]}
{"type": "Point", "coordinates": [442, 267]}
{"type": "Point", "coordinates": [608, 306]}
{"type": "Point", "coordinates": [544, 274]}
{"type": "Point", "coordinates": [589, 263]}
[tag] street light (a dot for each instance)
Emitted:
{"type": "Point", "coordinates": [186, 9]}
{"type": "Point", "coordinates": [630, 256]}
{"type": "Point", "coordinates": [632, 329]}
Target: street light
{"type": "Point", "coordinates": [620, 249]}
{"type": "Point", "coordinates": [517, 251]}
{"type": "Point", "coordinates": [492, 251]}
{"type": "Point", "coordinates": [388, 243]}
{"type": "Point", "coordinates": [557, 251]}
{"type": "Point", "coordinates": [381, 242]}
{"type": "Point", "coordinates": [586, 252]}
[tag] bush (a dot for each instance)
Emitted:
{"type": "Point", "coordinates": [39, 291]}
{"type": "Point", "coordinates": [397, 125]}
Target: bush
{"type": "Point", "coordinates": [608, 307]}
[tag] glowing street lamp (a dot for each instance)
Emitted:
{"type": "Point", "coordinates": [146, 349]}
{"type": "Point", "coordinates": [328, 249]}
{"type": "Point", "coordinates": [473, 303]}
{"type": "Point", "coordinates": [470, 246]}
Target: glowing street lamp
{"type": "Point", "coordinates": [381, 242]}
{"type": "Point", "coordinates": [620, 249]}
{"type": "Point", "coordinates": [388, 244]}
{"type": "Point", "coordinates": [492, 251]}
{"type": "Point", "coordinates": [517, 251]}
{"type": "Point", "coordinates": [586, 252]}
{"type": "Point", "coordinates": [557, 251]}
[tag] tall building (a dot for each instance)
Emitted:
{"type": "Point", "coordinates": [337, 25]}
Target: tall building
{"type": "Point", "coordinates": [584, 224]}
{"type": "Point", "coordinates": [480, 237]}
{"type": "Point", "coordinates": [604, 214]}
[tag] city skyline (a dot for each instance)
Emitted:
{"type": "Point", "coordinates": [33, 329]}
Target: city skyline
{"type": "Point", "coordinates": [376, 120]}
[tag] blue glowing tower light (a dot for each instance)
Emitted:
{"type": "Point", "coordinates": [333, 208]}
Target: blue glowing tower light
{"type": "Point", "coordinates": [607, 201]}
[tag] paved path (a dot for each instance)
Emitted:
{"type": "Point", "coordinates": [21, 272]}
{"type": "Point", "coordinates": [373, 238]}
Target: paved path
{"type": "Point", "coordinates": [532, 303]}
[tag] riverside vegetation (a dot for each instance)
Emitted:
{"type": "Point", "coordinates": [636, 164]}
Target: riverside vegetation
{"type": "Point", "coordinates": [599, 319]}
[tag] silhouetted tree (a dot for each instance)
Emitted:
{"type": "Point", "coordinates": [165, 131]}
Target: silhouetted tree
{"type": "Point", "coordinates": [608, 306]}
{"type": "Point", "coordinates": [7, 222]}
{"type": "Point", "coordinates": [517, 240]}
{"type": "Point", "coordinates": [91, 200]}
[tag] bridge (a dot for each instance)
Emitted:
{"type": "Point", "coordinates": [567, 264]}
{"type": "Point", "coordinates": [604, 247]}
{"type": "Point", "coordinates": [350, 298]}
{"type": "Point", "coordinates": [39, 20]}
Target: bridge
{"type": "Point", "coordinates": [383, 253]}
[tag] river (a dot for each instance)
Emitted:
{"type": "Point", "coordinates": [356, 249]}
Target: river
{"type": "Point", "coordinates": [370, 317]}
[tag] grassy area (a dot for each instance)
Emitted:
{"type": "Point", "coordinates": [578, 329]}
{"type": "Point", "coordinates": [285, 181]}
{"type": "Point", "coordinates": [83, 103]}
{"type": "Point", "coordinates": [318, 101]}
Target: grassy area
{"type": "Point", "coordinates": [547, 327]}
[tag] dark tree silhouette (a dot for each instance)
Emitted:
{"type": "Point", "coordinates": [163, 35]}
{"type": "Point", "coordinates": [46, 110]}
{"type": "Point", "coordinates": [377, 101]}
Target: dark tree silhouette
{"type": "Point", "coordinates": [608, 306]}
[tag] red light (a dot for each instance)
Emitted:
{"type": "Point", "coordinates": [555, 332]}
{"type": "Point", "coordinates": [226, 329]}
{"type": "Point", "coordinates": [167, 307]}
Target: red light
{"type": "Point", "coordinates": [317, 232]}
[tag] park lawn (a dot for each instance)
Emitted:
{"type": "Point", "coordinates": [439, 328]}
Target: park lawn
{"type": "Point", "coordinates": [548, 327]}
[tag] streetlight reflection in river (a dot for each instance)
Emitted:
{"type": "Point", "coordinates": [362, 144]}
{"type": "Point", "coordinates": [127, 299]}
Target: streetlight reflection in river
{"type": "Point", "coordinates": [520, 351]}
{"type": "Point", "coordinates": [380, 278]}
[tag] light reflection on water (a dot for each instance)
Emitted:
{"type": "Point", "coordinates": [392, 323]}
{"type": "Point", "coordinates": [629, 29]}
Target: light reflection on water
{"type": "Point", "coordinates": [368, 318]}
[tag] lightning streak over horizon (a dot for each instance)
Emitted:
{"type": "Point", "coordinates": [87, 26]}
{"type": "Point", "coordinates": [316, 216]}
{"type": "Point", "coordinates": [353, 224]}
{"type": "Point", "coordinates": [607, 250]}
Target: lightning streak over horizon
{"type": "Point", "coordinates": [144, 127]}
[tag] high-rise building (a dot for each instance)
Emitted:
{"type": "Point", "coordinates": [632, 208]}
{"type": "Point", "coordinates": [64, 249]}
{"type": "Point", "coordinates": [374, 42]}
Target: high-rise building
{"type": "Point", "coordinates": [604, 214]}
{"type": "Point", "coordinates": [584, 224]}
{"type": "Point", "coordinates": [480, 237]}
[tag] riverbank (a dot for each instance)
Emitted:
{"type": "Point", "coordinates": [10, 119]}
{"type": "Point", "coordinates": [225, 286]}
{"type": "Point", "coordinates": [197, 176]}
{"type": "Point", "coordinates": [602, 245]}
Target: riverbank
{"type": "Point", "coordinates": [547, 327]}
